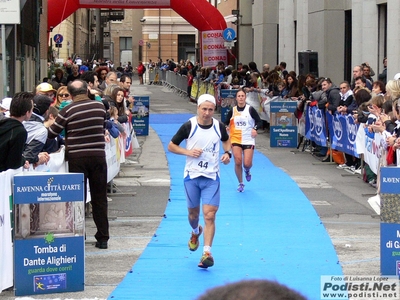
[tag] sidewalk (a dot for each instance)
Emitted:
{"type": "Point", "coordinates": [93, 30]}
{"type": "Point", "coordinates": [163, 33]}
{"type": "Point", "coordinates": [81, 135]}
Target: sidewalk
{"type": "Point", "coordinates": [142, 190]}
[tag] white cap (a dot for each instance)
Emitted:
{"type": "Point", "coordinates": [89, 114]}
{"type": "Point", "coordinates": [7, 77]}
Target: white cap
{"type": "Point", "coordinates": [206, 97]}
{"type": "Point", "coordinates": [5, 103]}
{"type": "Point", "coordinates": [397, 76]}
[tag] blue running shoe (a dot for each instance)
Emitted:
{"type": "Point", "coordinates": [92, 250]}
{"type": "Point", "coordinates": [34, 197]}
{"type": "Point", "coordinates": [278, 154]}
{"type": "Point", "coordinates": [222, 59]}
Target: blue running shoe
{"type": "Point", "coordinates": [248, 175]}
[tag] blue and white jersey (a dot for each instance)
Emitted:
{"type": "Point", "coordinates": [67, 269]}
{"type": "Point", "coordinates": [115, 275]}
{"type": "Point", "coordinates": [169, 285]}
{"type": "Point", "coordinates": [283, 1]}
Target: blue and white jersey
{"type": "Point", "coordinates": [207, 164]}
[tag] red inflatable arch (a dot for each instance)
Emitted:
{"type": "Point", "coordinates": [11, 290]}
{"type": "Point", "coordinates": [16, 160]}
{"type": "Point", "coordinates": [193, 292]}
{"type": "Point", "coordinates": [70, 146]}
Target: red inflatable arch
{"type": "Point", "coordinates": [199, 13]}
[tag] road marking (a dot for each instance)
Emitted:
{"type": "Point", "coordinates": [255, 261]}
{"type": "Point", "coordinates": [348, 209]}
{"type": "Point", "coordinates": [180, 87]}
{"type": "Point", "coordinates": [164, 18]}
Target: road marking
{"type": "Point", "coordinates": [311, 182]}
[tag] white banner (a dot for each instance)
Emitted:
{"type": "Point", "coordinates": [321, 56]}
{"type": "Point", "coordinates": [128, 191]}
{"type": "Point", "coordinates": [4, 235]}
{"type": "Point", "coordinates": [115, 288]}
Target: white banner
{"type": "Point", "coordinates": [213, 48]}
{"type": "Point", "coordinates": [6, 248]}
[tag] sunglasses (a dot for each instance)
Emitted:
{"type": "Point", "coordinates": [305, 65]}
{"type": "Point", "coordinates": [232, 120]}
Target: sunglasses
{"type": "Point", "coordinates": [63, 95]}
{"type": "Point", "coordinates": [103, 73]}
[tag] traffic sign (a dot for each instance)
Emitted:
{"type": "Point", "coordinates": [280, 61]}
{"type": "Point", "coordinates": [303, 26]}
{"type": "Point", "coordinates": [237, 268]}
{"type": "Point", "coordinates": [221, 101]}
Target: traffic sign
{"type": "Point", "coordinates": [141, 42]}
{"type": "Point", "coordinates": [229, 34]}
{"type": "Point", "coordinates": [58, 38]}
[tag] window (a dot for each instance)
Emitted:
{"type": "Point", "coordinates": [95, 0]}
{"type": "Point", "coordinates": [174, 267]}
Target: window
{"type": "Point", "coordinates": [125, 43]}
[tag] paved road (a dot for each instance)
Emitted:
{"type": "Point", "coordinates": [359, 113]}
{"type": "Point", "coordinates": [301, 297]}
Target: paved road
{"type": "Point", "coordinates": [142, 190]}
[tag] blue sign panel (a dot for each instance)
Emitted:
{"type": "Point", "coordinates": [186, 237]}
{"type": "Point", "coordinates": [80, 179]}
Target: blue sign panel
{"type": "Point", "coordinates": [140, 115]}
{"type": "Point", "coordinates": [49, 216]}
{"type": "Point", "coordinates": [227, 102]}
{"type": "Point", "coordinates": [229, 34]}
{"type": "Point", "coordinates": [390, 220]}
{"type": "Point", "coordinates": [390, 180]}
{"type": "Point", "coordinates": [390, 249]}
{"type": "Point", "coordinates": [283, 129]}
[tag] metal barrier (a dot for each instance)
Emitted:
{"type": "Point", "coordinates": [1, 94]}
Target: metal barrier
{"type": "Point", "coordinates": [179, 83]}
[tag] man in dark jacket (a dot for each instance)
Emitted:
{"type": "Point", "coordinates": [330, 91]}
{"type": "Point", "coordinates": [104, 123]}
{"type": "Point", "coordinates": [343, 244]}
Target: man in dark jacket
{"type": "Point", "coordinates": [13, 134]}
{"type": "Point", "coordinates": [332, 95]}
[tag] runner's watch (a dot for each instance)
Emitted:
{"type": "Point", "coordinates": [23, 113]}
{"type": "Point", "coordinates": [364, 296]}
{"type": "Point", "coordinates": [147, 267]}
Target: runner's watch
{"type": "Point", "coordinates": [229, 153]}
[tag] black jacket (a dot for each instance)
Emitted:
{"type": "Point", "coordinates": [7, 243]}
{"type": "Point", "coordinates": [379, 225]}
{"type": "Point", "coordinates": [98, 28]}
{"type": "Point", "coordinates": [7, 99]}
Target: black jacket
{"type": "Point", "coordinates": [12, 142]}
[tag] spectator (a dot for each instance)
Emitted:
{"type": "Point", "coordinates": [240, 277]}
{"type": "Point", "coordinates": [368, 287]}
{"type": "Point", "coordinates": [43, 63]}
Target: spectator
{"type": "Point", "coordinates": [190, 83]}
{"type": "Point", "coordinates": [117, 100]}
{"type": "Point", "coordinates": [367, 72]}
{"type": "Point", "coordinates": [75, 74]}
{"type": "Point", "coordinates": [78, 61]}
{"type": "Point", "coordinates": [84, 121]}
{"type": "Point", "coordinates": [126, 83]}
{"type": "Point", "coordinates": [266, 68]}
{"type": "Point", "coordinates": [332, 95]}
{"type": "Point", "coordinates": [63, 98]}
{"type": "Point", "coordinates": [37, 133]}
{"type": "Point", "coordinates": [59, 77]}
{"type": "Point", "coordinates": [84, 68]}
{"type": "Point", "coordinates": [13, 134]}
{"type": "Point", "coordinates": [347, 102]}
{"type": "Point", "coordinates": [282, 67]}
{"type": "Point", "coordinates": [141, 70]}
{"type": "Point", "coordinates": [128, 70]}
{"type": "Point", "coordinates": [360, 83]}
{"type": "Point", "coordinates": [383, 76]}
{"type": "Point", "coordinates": [378, 88]}
{"type": "Point", "coordinates": [254, 289]}
{"type": "Point", "coordinates": [52, 145]}
{"type": "Point", "coordinates": [46, 89]}
{"type": "Point", "coordinates": [291, 87]}
{"type": "Point", "coordinates": [393, 89]}
{"type": "Point", "coordinates": [111, 78]}
{"type": "Point", "coordinates": [116, 127]}
{"type": "Point", "coordinates": [102, 73]}
{"type": "Point", "coordinates": [5, 108]}
{"type": "Point", "coordinates": [90, 77]}
{"type": "Point", "coordinates": [358, 72]}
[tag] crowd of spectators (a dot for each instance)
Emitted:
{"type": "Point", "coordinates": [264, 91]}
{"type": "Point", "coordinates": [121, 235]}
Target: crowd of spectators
{"type": "Point", "coordinates": [368, 97]}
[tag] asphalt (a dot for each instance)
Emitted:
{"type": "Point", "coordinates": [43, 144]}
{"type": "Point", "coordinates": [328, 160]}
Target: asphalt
{"type": "Point", "coordinates": [141, 195]}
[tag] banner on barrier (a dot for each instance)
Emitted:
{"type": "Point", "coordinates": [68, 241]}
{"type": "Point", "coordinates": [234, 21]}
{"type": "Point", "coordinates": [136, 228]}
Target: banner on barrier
{"type": "Point", "coordinates": [315, 126]}
{"type": "Point", "coordinates": [343, 133]}
{"type": "Point", "coordinates": [140, 115]}
{"type": "Point", "coordinates": [283, 128]}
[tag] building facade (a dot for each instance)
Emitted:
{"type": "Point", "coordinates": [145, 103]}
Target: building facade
{"type": "Point", "coordinates": [344, 33]}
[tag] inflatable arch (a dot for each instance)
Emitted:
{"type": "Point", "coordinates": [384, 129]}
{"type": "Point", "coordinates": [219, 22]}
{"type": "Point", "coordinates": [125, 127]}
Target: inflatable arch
{"type": "Point", "coordinates": [199, 13]}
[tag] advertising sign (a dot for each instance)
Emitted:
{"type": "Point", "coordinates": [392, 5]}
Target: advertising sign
{"type": "Point", "coordinates": [390, 220]}
{"type": "Point", "coordinates": [315, 126]}
{"type": "Point", "coordinates": [10, 12]}
{"type": "Point", "coordinates": [343, 133]}
{"type": "Point", "coordinates": [227, 102]}
{"type": "Point", "coordinates": [140, 115]}
{"type": "Point", "coordinates": [213, 48]}
{"type": "Point", "coordinates": [283, 125]}
{"type": "Point", "coordinates": [49, 219]}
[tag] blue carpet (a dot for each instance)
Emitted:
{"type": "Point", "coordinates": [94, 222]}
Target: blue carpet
{"type": "Point", "coordinates": [271, 231]}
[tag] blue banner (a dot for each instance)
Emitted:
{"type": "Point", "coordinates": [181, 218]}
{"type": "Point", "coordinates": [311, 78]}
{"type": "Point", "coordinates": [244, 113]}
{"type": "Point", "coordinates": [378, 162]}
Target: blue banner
{"type": "Point", "coordinates": [316, 126]}
{"type": "Point", "coordinates": [47, 187]}
{"type": "Point", "coordinates": [283, 129]}
{"type": "Point", "coordinates": [343, 133]}
{"type": "Point", "coordinates": [49, 214]}
{"type": "Point", "coordinates": [140, 115]}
